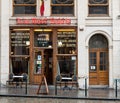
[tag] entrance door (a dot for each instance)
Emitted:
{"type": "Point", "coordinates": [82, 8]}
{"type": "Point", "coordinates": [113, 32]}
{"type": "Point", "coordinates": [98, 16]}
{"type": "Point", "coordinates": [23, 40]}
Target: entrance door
{"type": "Point", "coordinates": [48, 67]}
{"type": "Point", "coordinates": [43, 65]}
{"type": "Point", "coordinates": [38, 66]}
{"type": "Point", "coordinates": [98, 60]}
{"type": "Point", "coordinates": [98, 67]}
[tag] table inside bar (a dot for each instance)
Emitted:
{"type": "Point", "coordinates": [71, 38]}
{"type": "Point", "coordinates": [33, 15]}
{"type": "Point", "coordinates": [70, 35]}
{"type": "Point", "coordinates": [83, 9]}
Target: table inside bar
{"type": "Point", "coordinates": [66, 80]}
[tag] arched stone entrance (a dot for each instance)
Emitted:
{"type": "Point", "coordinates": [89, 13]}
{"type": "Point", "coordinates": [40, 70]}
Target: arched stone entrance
{"type": "Point", "coordinates": [98, 60]}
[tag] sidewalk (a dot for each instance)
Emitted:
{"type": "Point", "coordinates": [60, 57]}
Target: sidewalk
{"type": "Point", "coordinates": [103, 94]}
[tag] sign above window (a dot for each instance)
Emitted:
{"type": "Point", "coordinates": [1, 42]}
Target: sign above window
{"type": "Point", "coordinates": [43, 21]}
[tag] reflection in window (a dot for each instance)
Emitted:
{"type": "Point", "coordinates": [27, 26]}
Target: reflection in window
{"type": "Point", "coordinates": [66, 42]}
{"type": "Point", "coordinates": [98, 41]}
{"type": "Point", "coordinates": [24, 7]}
{"type": "Point", "coordinates": [103, 61]}
{"type": "Point", "coordinates": [67, 65]}
{"type": "Point", "coordinates": [24, 1]}
{"type": "Point", "coordinates": [20, 41]}
{"type": "Point", "coordinates": [62, 7]}
{"type": "Point", "coordinates": [92, 61]}
{"type": "Point", "coordinates": [19, 65]}
{"type": "Point", "coordinates": [98, 7]}
{"type": "Point", "coordinates": [43, 38]}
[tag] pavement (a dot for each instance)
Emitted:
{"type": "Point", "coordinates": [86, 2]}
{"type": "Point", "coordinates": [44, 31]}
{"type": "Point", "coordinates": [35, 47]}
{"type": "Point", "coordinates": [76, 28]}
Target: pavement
{"type": "Point", "coordinates": [74, 93]}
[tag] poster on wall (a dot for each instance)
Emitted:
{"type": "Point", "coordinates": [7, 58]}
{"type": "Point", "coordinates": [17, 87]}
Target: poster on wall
{"type": "Point", "coordinates": [39, 57]}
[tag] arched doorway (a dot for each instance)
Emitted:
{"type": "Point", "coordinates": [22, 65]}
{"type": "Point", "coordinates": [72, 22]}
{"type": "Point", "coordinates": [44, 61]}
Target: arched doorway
{"type": "Point", "coordinates": [98, 60]}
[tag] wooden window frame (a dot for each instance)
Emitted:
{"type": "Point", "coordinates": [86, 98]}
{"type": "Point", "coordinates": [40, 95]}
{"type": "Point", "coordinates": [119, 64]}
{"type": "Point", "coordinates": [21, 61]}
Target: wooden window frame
{"type": "Point", "coordinates": [16, 55]}
{"type": "Point", "coordinates": [65, 5]}
{"type": "Point", "coordinates": [13, 4]}
{"type": "Point", "coordinates": [97, 4]}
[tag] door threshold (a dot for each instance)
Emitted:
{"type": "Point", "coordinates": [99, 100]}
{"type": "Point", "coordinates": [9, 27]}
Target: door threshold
{"type": "Point", "coordinates": [98, 86]}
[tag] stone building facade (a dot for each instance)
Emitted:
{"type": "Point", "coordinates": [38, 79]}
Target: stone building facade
{"type": "Point", "coordinates": [95, 24]}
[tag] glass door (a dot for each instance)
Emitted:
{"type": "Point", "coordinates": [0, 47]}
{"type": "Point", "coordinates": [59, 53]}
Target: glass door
{"type": "Point", "coordinates": [38, 62]}
{"type": "Point", "coordinates": [38, 66]}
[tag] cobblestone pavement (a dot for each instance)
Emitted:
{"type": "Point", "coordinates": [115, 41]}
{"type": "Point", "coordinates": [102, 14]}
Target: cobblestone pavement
{"type": "Point", "coordinates": [46, 100]}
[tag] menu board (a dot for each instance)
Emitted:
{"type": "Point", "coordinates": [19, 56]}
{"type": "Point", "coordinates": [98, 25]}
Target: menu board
{"type": "Point", "coordinates": [20, 38]}
{"type": "Point", "coordinates": [42, 39]}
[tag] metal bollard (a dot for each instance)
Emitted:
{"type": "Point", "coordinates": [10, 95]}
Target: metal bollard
{"type": "Point", "coordinates": [25, 80]}
{"type": "Point", "coordinates": [116, 88]}
{"type": "Point", "coordinates": [55, 87]}
{"type": "Point", "coordinates": [86, 87]}
{"type": "Point", "coordinates": [26, 87]}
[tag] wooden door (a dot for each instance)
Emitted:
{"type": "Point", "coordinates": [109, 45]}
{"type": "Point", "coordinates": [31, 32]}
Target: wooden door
{"type": "Point", "coordinates": [98, 67]}
{"type": "Point", "coordinates": [38, 65]}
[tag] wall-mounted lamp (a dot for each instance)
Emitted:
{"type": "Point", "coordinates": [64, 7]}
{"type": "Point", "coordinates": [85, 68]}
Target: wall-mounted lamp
{"type": "Point", "coordinates": [81, 28]}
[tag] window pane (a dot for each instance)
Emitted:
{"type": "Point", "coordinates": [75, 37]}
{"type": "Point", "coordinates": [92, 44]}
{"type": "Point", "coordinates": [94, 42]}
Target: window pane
{"type": "Point", "coordinates": [24, 1]}
{"type": "Point", "coordinates": [38, 62]}
{"type": "Point", "coordinates": [20, 65]}
{"type": "Point", "coordinates": [62, 1]}
{"type": "Point", "coordinates": [98, 10]}
{"type": "Point", "coordinates": [43, 39]}
{"type": "Point", "coordinates": [66, 42]}
{"type": "Point", "coordinates": [62, 7]}
{"type": "Point", "coordinates": [24, 10]}
{"type": "Point", "coordinates": [92, 61]}
{"type": "Point", "coordinates": [98, 41]}
{"type": "Point", "coordinates": [62, 10]}
{"type": "Point", "coordinates": [67, 66]}
{"type": "Point", "coordinates": [19, 42]}
{"type": "Point", "coordinates": [98, 1]}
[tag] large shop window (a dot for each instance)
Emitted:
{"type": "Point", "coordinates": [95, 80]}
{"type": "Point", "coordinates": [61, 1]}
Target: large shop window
{"type": "Point", "coordinates": [24, 7]}
{"type": "Point", "coordinates": [62, 7]}
{"type": "Point", "coordinates": [67, 52]}
{"type": "Point", "coordinates": [67, 65]}
{"type": "Point", "coordinates": [66, 41]}
{"type": "Point", "coordinates": [19, 65]}
{"type": "Point", "coordinates": [19, 52]}
{"type": "Point", "coordinates": [98, 7]}
{"type": "Point", "coordinates": [20, 41]}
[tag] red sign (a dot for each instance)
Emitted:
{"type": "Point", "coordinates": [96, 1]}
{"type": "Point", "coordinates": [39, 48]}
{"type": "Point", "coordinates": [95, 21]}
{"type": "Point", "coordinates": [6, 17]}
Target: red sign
{"type": "Point", "coordinates": [43, 21]}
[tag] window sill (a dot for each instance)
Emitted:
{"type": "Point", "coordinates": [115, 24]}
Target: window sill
{"type": "Point", "coordinates": [98, 18]}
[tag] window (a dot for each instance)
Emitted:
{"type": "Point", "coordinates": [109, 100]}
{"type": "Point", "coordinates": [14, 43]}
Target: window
{"type": "Point", "coordinates": [66, 41]}
{"type": "Point", "coordinates": [67, 51]}
{"type": "Point", "coordinates": [98, 7]}
{"type": "Point", "coordinates": [67, 65]}
{"type": "Point", "coordinates": [20, 42]}
{"type": "Point", "coordinates": [98, 41]}
{"type": "Point", "coordinates": [62, 7]}
{"type": "Point", "coordinates": [24, 7]}
{"type": "Point", "coordinates": [43, 38]}
{"type": "Point", "coordinates": [19, 51]}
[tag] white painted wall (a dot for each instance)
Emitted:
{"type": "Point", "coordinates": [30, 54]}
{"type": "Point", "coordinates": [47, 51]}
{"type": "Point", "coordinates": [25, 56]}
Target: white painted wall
{"type": "Point", "coordinates": [4, 51]}
{"type": "Point", "coordinates": [91, 26]}
{"type": "Point", "coordinates": [116, 38]}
